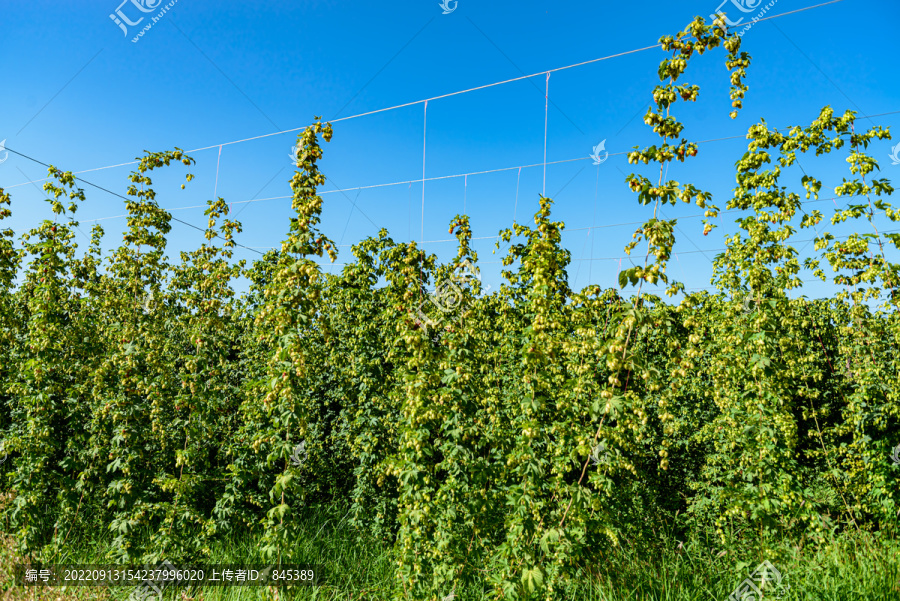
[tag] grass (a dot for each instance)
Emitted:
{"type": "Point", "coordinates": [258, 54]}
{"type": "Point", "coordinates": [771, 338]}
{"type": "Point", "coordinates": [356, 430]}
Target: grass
{"type": "Point", "coordinates": [851, 566]}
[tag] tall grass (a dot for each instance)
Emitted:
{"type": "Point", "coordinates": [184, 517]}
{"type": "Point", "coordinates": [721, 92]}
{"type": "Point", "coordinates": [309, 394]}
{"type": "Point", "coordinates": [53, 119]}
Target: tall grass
{"type": "Point", "coordinates": [850, 566]}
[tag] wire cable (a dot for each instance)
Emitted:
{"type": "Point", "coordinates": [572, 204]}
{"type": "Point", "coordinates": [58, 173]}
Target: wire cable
{"type": "Point", "coordinates": [128, 199]}
{"type": "Point", "coordinates": [424, 131]}
{"type": "Point", "coordinates": [440, 177]}
{"type": "Point", "coordinates": [546, 100]}
{"type": "Point", "coordinates": [391, 108]}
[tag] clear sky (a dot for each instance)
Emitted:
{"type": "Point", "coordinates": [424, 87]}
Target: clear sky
{"type": "Point", "coordinates": [80, 94]}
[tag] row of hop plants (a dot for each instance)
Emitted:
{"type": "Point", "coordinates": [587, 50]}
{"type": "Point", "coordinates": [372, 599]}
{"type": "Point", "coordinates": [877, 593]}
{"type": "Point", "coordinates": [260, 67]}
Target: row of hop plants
{"type": "Point", "coordinates": [522, 435]}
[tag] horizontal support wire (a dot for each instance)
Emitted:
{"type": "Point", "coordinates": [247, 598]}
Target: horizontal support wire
{"type": "Point", "coordinates": [465, 175]}
{"type": "Point", "coordinates": [687, 252]}
{"type": "Point", "coordinates": [575, 229]}
{"type": "Point", "coordinates": [441, 177]}
{"type": "Point", "coordinates": [466, 91]}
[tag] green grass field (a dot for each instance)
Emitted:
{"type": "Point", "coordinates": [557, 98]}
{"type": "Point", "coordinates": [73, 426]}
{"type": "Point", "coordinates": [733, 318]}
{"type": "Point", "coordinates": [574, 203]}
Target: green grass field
{"type": "Point", "coordinates": [852, 566]}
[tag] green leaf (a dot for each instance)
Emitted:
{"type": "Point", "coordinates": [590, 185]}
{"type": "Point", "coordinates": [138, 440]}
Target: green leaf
{"type": "Point", "coordinates": [532, 579]}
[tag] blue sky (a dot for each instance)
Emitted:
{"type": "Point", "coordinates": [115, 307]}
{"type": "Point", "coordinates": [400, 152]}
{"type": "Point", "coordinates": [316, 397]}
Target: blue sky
{"type": "Point", "coordinates": [81, 95]}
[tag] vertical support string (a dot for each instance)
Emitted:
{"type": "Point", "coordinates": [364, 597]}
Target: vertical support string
{"type": "Point", "coordinates": [593, 224]}
{"type": "Point", "coordinates": [515, 208]}
{"type": "Point", "coordinates": [546, 105]}
{"type": "Point", "coordinates": [465, 192]}
{"type": "Point", "coordinates": [424, 131]}
{"type": "Point", "coordinates": [216, 187]}
{"type": "Point", "coordinates": [582, 259]}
